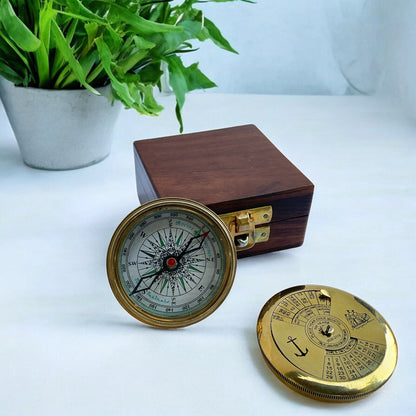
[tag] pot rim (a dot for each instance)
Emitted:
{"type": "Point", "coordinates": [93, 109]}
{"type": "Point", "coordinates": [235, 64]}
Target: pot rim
{"type": "Point", "coordinates": [5, 80]}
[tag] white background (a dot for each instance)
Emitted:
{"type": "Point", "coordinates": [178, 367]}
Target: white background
{"type": "Point", "coordinates": [284, 47]}
{"type": "Point", "coordinates": [315, 47]}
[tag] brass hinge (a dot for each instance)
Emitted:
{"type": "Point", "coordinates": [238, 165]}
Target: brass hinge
{"type": "Point", "coordinates": [242, 226]}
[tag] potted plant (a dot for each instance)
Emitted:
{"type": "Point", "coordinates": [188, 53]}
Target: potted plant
{"type": "Point", "coordinates": [85, 49]}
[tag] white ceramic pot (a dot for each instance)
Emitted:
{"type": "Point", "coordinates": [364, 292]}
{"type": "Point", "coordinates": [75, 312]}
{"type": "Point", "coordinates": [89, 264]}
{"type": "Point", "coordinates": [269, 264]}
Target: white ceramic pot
{"type": "Point", "coordinates": [60, 129]}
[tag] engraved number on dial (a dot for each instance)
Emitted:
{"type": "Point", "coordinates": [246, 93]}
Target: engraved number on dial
{"type": "Point", "coordinates": [326, 343]}
{"type": "Point", "coordinates": [307, 314]}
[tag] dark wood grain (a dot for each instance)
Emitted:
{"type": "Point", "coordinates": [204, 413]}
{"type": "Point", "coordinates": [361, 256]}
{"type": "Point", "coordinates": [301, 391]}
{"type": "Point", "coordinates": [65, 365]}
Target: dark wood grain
{"type": "Point", "coordinates": [227, 170]}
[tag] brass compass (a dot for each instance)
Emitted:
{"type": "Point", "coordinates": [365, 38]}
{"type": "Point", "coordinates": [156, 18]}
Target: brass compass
{"type": "Point", "coordinates": [171, 262]}
{"type": "Point", "coordinates": [325, 343]}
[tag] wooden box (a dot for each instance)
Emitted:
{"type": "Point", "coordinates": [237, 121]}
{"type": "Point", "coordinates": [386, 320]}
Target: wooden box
{"type": "Point", "coordinates": [228, 170]}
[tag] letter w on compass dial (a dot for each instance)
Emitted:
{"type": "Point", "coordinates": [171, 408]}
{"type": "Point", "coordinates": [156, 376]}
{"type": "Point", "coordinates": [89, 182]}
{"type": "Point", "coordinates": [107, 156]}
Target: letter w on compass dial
{"type": "Point", "coordinates": [170, 261]}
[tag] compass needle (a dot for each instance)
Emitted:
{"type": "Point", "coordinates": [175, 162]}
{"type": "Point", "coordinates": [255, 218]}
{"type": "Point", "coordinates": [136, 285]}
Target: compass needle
{"type": "Point", "coordinates": [152, 255]}
{"type": "Point", "coordinates": [165, 239]}
{"type": "Point", "coordinates": [150, 273]}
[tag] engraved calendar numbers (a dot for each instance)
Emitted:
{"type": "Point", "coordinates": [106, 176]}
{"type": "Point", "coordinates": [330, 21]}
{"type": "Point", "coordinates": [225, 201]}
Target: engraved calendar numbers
{"type": "Point", "coordinates": [326, 343]}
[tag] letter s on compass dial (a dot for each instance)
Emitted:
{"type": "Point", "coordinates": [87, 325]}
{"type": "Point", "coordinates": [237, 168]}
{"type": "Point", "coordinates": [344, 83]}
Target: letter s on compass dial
{"type": "Point", "coordinates": [171, 262]}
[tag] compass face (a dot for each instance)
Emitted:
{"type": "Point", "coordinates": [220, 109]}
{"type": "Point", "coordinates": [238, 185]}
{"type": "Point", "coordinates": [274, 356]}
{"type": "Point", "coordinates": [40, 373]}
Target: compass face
{"type": "Point", "coordinates": [171, 262]}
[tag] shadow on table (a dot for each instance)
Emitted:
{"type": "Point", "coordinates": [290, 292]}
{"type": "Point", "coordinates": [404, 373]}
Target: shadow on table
{"type": "Point", "coordinates": [10, 158]}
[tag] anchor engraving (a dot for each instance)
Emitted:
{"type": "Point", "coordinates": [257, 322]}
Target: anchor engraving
{"type": "Point", "coordinates": [292, 340]}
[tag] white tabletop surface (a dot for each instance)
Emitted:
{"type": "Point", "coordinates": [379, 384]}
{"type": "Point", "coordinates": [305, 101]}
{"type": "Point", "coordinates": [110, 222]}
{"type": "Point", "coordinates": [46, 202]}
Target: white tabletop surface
{"type": "Point", "coordinates": [68, 348]}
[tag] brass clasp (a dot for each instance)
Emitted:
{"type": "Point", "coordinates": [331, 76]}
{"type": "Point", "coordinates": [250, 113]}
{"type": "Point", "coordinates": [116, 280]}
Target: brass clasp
{"type": "Point", "coordinates": [242, 226]}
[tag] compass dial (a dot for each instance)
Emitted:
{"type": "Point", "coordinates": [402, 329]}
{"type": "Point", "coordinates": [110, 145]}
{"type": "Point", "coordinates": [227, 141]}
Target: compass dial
{"type": "Point", "coordinates": [326, 343]}
{"type": "Point", "coordinates": [171, 262]}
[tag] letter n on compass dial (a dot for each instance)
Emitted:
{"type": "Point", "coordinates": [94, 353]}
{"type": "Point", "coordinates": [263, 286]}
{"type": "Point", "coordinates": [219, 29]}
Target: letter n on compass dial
{"type": "Point", "coordinates": [173, 264]}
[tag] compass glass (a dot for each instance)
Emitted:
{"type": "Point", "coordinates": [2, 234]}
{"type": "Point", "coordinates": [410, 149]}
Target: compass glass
{"type": "Point", "coordinates": [171, 263]}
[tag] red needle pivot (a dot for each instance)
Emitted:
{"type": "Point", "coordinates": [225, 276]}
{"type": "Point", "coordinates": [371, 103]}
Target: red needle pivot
{"type": "Point", "coordinates": [171, 262]}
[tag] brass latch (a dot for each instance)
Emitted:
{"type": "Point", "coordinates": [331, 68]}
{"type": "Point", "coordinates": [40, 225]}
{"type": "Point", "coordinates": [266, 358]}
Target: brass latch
{"type": "Point", "coordinates": [242, 226]}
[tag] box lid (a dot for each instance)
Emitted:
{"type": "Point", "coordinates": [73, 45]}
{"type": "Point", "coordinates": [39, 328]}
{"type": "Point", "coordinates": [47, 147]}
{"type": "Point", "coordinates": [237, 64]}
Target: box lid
{"type": "Point", "coordinates": [226, 169]}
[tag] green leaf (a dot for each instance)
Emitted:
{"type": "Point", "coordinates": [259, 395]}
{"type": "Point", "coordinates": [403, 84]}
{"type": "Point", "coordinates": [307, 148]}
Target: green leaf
{"type": "Point", "coordinates": [78, 10]}
{"type": "Point", "coordinates": [121, 89]}
{"type": "Point", "coordinates": [146, 98]}
{"type": "Point", "coordinates": [128, 88]}
{"type": "Point", "coordinates": [151, 73]}
{"type": "Point", "coordinates": [143, 44]}
{"type": "Point", "coordinates": [118, 14]}
{"type": "Point", "coordinates": [115, 41]}
{"type": "Point", "coordinates": [92, 31]}
{"type": "Point", "coordinates": [16, 29]}
{"type": "Point", "coordinates": [42, 53]}
{"type": "Point", "coordinates": [15, 50]}
{"type": "Point", "coordinates": [177, 78]}
{"type": "Point", "coordinates": [213, 33]}
{"type": "Point", "coordinates": [72, 43]}
{"type": "Point", "coordinates": [184, 79]}
{"type": "Point", "coordinates": [9, 73]}
{"type": "Point", "coordinates": [196, 79]}
{"type": "Point", "coordinates": [178, 114]}
{"type": "Point", "coordinates": [66, 51]}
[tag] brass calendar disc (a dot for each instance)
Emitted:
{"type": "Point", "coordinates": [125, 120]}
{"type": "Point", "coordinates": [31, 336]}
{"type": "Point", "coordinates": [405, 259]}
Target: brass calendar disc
{"type": "Point", "coordinates": [325, 343]}
{"type": "Point", "coordinates": [171, 262]}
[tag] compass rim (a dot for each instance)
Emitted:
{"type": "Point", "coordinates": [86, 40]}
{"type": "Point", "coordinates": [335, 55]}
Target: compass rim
{"type": "Point", "coordinates": [130, 221]}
